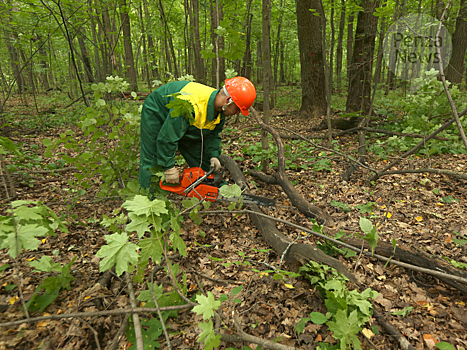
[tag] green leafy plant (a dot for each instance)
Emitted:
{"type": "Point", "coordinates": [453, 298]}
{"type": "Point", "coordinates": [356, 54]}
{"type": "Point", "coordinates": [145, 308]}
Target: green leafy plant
{"type": "Point", "coordinates": [51, 286]}
{"type": "Point", "coordinates": [366, 208]}
{"type": "Point", "coordinates": [420, 108]}
{"type": "Point", "coordinates": [344, 206]}
{"type": "Point", "coordinates": [347, 310]}
{"type": "Point", "coordinates": [404, 312]}
{"type": "Point", "coordinates": [181, 107]}
{"type": "Point", "coordinates": [26, 221]}
{"type": "Point", "coordinates": [110, 146]}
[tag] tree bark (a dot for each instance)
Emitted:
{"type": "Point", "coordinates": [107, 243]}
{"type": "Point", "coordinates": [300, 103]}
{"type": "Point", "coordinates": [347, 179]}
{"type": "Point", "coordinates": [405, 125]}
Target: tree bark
{"type": "Point", "coordinates": [246, 67]}
{"type": "Point", "coordinates": [296, 254]}
{"type": "Point", "coordinates": [350, 37]}
{"type": "Point", "coordinates": [267, 75]}
{"type": "Point", "coordinates": [130, 69]}
{"type": "Point", "coordinates": [200, 73]}
{"type": "Point", "coordinates": [97, 59]}
{"type": "Point", "coordinates": [360, 70]}
{"type": "Point", "coordinates": [455, 70]}
{"type": "Point", "coordinates": [86, 60]}
{"type": "Point", "coordinates": [339, 48]}
{"type": "Point", "coordinates": [43, 65]}
{"type": "Point", "coordinates": [310, 43]}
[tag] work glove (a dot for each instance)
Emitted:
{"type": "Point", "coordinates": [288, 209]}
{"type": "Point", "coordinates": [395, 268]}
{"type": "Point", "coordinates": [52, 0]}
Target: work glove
{"type": "Point", "coordinates": [216, 164]}
{"type": "Point", "coordinates": [172, 176]}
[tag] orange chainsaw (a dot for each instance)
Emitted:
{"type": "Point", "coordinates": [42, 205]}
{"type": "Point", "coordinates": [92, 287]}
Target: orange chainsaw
{"type": "Point", "coordinates": [195, 182]}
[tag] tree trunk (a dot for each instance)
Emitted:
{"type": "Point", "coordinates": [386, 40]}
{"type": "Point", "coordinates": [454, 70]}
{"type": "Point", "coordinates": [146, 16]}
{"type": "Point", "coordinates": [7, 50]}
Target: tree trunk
{"type": "Point", "coordinates": [310, 44]}
{"type": "Point", "coordinates": [43, 64]}
{"type": "Point", "coordinates": [349, 43]}
{"type": "Point", "coordinates": [331, 48]}
{"type": "Point", "coordinates": [379, 59]}
{"type": "Point", "coordinates": [215, 79]}
{"type": "Point", "coordinates": [246, 68]}
{"type": "Point", "coordinates": [339, 49]}
{"type": "Point", "coordinates": [14, 61]}
{"type": "Point", "coordinates": [281, 65]}
{"type": "Point", "coordinates": [86, 60]}
{"type": "Point", "coordinates": [169, 48]}
{"type": "Point", "coordinates": [97, 59]}
{"type": "Point", "coordinates": [259, 50]}
{"type": "Point", "coordinates": [129, 59]}
{"type": "Point", "coordinates": [455, 70]}
{"type": "Point", "coordinates": [360, 70]}
{"type": "Point", "coordinates": [200, 73]}
{"type": "Point", "coordinates": [110, 64]}
{"type": "Point", "coordinates": [152, 59]}
{"type": "Point", "coordinates": [267, 74]}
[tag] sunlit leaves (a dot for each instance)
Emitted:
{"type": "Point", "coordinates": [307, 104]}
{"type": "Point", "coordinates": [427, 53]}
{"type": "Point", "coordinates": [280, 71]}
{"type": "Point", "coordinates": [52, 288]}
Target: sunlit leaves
{"type": "Point", "coordinates": [118, 252]}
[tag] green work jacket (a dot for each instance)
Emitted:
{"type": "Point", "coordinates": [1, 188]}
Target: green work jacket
{"type": "Point", "coordinates": [162, 134]}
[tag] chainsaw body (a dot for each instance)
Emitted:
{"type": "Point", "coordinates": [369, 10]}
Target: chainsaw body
{"type": "Point", "coordinates": [195, 182]}
{"type": "Point", "coordinates": [187, 178]}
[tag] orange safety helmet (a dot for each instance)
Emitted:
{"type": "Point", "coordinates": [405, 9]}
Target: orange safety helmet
{"type": "Point", "coordinates": [242, 91]}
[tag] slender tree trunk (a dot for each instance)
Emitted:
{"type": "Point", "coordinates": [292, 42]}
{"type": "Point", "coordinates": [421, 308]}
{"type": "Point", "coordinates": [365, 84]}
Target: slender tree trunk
{"type": "Point", "coordinates": [350, 42]}
{"type": "Point", "coordinates": [97, 60]}
{"type": "Point", "coordinates": [276, 59]}
{"type": "Point", "coordinates": [14, 61]}
{"type": "Point", "coordinates": [152, 59]}
{"type": "Point", "coordinates": [110, 58]}
{"type": "Point", "coordinates": [221, 59]}
{"type": "Point", "coordinates": [246, 68]}
{"type": "Point", "coordinates": [200, 73]}
{"type": "Point", "coordinates": [86, 60]}
{"type": "Point", "coordinates": [455, 70]}
{"type": "Point", "coordinates": [359, 94]}
{"type": "Point", "coordinates": [310, 43]}
{"type": "Point", "coordinates": [4, 84]}
{"type": "Point", "coordinates": [379, 56]}
{"type": "Point", "coordinates": [331, 48]}
{"type": "Point", "coordinates": [169, 48]}
{"type": "Point", "coordinates": [267, 74]}
{"type": "Point", "coordinates": [391, 76]}
{"type": "Point", "coordinates": [339, 49]}
{"type": "Point", "coordinates": [259, 50]}
{"type": "Point", "coordinates": [281, 65]}
{"type": "Point", "coordinates": [43, 64]}
{"type": "Point", "coordinates": [130, 69]}
{"type": "Point", "coordinates": [215, 44]}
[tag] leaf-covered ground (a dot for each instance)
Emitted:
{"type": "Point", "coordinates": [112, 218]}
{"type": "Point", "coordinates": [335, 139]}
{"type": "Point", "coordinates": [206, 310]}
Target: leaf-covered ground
{"type": "Point", "coordinates": [423, 212]}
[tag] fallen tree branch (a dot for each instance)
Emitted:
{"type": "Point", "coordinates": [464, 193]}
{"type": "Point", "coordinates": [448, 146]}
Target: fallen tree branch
{"type": "Point", "coordinates": [280, 243]}
{"type": "Point", "coordinates": [388, 132]}
{"type": "Point", "coordinates": [417, 147]}
{"type": "Point", "coordinates": [426, 170]}
{"type": "Point", "coordinates": [346, 245]}
{"type": "Point", "coordinates": [136, 320]}
{"type": "Point", "coordinates": [297, 254]}
{"type": "Point", "coordinates": [139, 310]}
{"type": "Point", "coordinates": [391, 330]}
{"type": "Point", "coordinates": [294, 195]}
{"type": "Point", "coordinates": [420, 259]}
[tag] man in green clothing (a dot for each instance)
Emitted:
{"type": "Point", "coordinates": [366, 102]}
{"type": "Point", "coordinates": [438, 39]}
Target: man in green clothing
{"type": "Point", "coordinates": [198, 141]}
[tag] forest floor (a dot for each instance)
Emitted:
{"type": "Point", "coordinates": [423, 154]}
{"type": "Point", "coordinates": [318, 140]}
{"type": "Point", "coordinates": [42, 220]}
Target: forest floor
{"type": "Point", "coordinates": [428, 212]}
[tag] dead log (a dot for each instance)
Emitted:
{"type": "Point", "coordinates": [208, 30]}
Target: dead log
{"type": "Point", "coordinates": [417, 258]}
{"type": "Point", "coordinates": [297, 254]}
{"type": "Point", "coordinates": [281, 179]}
